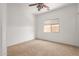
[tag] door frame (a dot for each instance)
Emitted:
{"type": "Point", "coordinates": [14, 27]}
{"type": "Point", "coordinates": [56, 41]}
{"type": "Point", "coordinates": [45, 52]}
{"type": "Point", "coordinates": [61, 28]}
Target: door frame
{"type": "Point", "coordinates": [3, 27]}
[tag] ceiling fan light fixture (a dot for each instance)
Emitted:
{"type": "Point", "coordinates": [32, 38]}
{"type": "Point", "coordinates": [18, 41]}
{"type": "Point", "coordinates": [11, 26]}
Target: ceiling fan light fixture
{"type": "Point", "coordinates": [40, 6]}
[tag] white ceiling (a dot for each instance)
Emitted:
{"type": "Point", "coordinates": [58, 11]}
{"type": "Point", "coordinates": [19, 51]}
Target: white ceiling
{"type": "Point", "coordinates": [52, 6]}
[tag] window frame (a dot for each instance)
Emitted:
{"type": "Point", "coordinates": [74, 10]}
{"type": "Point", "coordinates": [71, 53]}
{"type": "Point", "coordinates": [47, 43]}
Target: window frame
{"type": "Point", "coordinates": [51, 28]}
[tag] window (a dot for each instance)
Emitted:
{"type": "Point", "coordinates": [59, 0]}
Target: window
{"type": "Point", "coordinates": [47, 28]}
{"type": "Point", "coordinates": [51, 26]}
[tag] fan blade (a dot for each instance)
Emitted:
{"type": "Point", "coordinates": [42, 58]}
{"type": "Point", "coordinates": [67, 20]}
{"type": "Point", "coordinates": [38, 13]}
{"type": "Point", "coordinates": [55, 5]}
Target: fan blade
{"type": "Point", "coordinates": [46, 7]}
{"type": "Point", "coordinates": [33, 4]}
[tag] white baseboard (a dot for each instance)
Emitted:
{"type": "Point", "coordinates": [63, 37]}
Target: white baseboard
{"type": "Point", "coordinates": [15, 43]}
{"type": "Point", "coordinates": [65, 43]}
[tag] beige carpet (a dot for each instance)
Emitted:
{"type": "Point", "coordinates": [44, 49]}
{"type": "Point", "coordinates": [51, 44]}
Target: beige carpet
{"type": "Point", "coordinates": [42, 48]}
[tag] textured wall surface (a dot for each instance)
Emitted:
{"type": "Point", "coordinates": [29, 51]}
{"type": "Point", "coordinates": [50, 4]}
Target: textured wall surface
{"type": "Point", "coordinates": [67, 17]}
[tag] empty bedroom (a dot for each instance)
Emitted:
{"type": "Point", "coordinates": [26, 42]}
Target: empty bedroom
{"type": "Point", "coordinates": [41, 29]}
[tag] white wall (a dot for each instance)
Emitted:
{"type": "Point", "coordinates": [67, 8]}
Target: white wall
{"type": "Point", "coordinates": [20, 24]}
{"type": "Point", "coordinates": [0, 29]}
{"type": "Point", "coordinates": [78, 23]}
{"type": "Point", "coordinates": [3, 49]}
{"type": "Point", "coordinates": [78, 20]}
{"type": "Point", "coordinates": [67, 17]}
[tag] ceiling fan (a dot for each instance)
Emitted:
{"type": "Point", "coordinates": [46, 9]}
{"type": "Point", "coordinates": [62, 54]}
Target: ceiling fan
{"type": "Point", "coordinates": [40, 6]}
